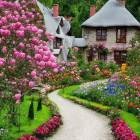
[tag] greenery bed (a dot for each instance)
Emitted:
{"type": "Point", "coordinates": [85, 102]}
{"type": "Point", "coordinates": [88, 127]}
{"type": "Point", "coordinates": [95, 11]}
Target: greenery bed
{"type": "Point", "coordinates": [39, 118]}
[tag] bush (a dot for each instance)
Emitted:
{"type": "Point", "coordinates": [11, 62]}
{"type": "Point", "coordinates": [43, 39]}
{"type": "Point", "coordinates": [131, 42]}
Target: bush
{"type": "Point", "coordinates": [31, 111]}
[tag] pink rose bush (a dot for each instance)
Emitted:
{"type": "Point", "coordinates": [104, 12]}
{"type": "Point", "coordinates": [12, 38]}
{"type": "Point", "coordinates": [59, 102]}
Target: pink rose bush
{"type": "Point", "coordinates": [24, 52]}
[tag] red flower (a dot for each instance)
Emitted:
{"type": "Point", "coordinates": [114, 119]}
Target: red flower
{"type": "Point", "coordinates": [21, 76]}
{"type": "Point", "coordinates": [135, 106]}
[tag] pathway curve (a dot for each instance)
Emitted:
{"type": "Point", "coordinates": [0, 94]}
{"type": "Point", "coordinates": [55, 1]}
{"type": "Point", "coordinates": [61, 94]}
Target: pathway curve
{"type": "Point", "coordinates": [80, 123]}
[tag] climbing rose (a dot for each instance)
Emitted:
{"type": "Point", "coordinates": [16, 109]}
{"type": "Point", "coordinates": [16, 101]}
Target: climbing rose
{"type": "Point", "coordinates": [75, 49]}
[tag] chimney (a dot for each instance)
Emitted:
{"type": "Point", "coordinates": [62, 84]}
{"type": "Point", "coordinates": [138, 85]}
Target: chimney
{"type": "Point", "coordinates": [55, 10]}
{"type": "Point", "coordinates": [92, 10]}
{"type": "Point", "coordinates": [123, 3]}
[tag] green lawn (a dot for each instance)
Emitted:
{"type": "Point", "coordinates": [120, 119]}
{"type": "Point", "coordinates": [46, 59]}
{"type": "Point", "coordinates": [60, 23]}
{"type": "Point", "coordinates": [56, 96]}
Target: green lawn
{"type": "Point", "coordinates": [39, 118]}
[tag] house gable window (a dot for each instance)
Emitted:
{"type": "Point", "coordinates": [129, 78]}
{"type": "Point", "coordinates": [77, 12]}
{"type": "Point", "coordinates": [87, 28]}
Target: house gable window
{"type": "Point", "coordinates": [121, 35]}
{"type": "Point", "coordinates": [61, 22]}
{"type": "Point", "coordinates": [120, 57]}
{"type": "Point", "coordinates": [102, 56]}
{"type": "Point", "coordinates": [101, 34]}
{"type": "Point", "coordinates": [57, 43]}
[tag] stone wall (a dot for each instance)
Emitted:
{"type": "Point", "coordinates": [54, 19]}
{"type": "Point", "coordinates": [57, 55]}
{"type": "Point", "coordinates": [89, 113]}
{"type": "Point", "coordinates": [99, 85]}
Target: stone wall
{"type": "Point", "coordinates": [90, 34]}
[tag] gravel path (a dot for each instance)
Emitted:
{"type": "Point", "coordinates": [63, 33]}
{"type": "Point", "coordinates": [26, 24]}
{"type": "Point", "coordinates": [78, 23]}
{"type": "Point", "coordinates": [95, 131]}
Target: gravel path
{"type": "Point", "coordinates": [80, 123]}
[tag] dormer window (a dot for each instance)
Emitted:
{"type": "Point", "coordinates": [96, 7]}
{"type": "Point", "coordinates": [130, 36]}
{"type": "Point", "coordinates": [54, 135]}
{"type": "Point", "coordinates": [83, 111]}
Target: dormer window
{"type": "Point", "coordinates": [58, 30]}
{"type": "Point", "coordinates": [101, 34]}
{"type": "Point", "coordinates": [121, 35]}
{"type": "Point", "coordinates": [61, 22]}
{"type": "Point", "coordinates": [57, 43]}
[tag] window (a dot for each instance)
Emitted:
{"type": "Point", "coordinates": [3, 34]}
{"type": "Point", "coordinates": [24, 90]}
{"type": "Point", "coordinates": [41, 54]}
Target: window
{"type": "Point", "coordinates": [120, 57]}
{"type": "Point", "coordinates": [101, 34]}
{"type": "Point", "coordinates": [57, 43]}
{"type": "Point", "coordinates": [121, 35]}
{"type": "Point", "coordinates": [61, 22]}
{"type": "Point", "coordinates": [102, 56]}
{"type": "Point", "coordinates": [89, 58]}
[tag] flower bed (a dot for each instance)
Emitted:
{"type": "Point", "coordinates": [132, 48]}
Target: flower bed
{"type": "Point", "coordinates": [121, 131]}
{"type": "Point", "coordinates": [47, 129]}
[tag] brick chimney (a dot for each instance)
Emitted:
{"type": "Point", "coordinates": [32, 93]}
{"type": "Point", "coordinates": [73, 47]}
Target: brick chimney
{"type": "Point", "coordinates": [123, 3]}
{"type": "Point", "coordinates": [55, 10]}
{"type": "Point", "coordinates": [92, 10]}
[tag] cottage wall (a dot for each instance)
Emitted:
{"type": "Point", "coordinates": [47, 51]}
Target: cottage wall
{"type": "Point", "coordinates": [90, 35]}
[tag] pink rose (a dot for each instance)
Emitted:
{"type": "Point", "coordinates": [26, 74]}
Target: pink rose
{"type": "Point", "coordinates": [18, 25]}
{"type": "Point", "coordinates": [33, 73]}
{"type": "Point", "coordinates": [35, 40]}
{"type": "Point", "coordinates": [37, 57]}
{"type": "Point", "coordinates": [21, 45]}
{"type": "Point", "coordinates": [4, 20]}
{"type": "Point", "coordinates": [54, 65]}
{"type": "Point", "coordinates": [31, 84]}
{"type": "Point", "coordinates": [19, 33]}
{"type": "Point", "coordinates": [75, 49]}
{"type": "Point", "coordinates": [12, 61]}
{"type": "Point", "coordinates": [17, 96]}
{"type": "Point", "coordinates": [45, 58]}
{"type": "Point", "coordinates": [4, 49]}
{"type": "Point", "coordinates": [41, 63]}
{"type": "Point", "coordinates": [55, 70]}
{"type": "Point", "coordinates": [21, 55]}
{"type": "Point", "coordinates": [52, 58]}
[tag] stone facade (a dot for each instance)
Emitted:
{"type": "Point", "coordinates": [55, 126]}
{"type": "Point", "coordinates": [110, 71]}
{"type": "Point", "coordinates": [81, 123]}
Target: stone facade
{"type": "Point", "coordinates": [90, 34]}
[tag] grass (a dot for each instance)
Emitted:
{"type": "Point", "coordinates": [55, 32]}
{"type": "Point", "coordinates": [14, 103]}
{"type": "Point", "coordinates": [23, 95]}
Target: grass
{"type": "Point", "coordinates": [39, 118]}
{"type": "Point", "coordinates": [129, 118]}
{"type": "Point", "coordinates": [132, 121]}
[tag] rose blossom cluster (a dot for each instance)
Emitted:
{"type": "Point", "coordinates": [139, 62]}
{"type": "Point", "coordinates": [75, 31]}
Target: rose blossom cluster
{"type": "Point", "coordinates": [121, 130]}
{"type": "Point", "coordinates": [25, 54]}
{"type": "Point", "coordinates": [48, 127]}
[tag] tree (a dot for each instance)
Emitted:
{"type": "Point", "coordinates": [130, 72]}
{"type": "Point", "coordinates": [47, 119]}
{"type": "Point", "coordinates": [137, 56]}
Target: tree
{"type": "Point", "coordinates": [31, 111]}
{"type": "Point", "coordinates": [39, 106]}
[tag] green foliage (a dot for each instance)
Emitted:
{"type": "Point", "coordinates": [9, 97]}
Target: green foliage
{"type": "Point", "coordinates": [39, 106]}
{"type": "Point", "coordinates": [133, 8]}
{"type": "Point", "coordinates": [135, 39]}
{"type": "Point", "coordinates": [31, 111]}
{"type": "Point", "coordinates": [112, 66]}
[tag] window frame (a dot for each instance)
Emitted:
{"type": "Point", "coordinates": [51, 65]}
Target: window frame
{"type": "Point", "coordinates": [101, 33]}
{"type": "Point", "coordinates": [124, 51]}
{"type": "Point", "coordinates": [104, 55]}
{"type": "Point", "coordinates": [56, 40]}
{"type": "Point", "coordinates": [120, 40]}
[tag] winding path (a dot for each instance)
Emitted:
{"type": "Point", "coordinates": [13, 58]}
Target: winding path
{"type": "Point", "coordinates": [80, 123]}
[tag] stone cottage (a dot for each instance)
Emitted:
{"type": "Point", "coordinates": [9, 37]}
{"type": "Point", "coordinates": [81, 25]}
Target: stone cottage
{"type": "Point", "coordinates": [112, 25]}
{"type": "Point", "coordinates": [61, 30]}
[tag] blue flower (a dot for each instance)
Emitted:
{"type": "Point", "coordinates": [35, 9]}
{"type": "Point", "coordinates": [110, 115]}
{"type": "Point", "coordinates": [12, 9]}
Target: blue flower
{"type": "Point", "coordinates": [94, 86]}
{"type": "Point", "coordinates": [117, 92]}
{"type": "Point", "coordinates": [107, 93]}
{"type": "Point", "coordinates": [122, 87]}
{"type": "Point", "coordinates": [112, 92]}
